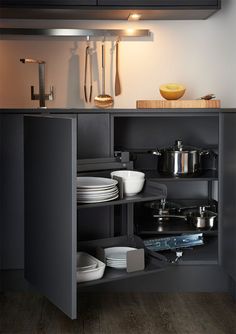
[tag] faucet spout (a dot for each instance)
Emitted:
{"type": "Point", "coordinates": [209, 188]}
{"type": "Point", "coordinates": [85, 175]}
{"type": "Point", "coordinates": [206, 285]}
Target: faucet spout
{"type": "Point", "coordinates": [33, 61]}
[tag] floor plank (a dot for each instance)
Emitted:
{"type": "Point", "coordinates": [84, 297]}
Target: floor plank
{"type": "Point", "coordinates": [124, 313]}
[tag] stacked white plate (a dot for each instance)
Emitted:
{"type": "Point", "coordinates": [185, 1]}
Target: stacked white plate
{"type": "Point", "coordinates": [116, 257]}
{"type": "Point", "coordinates": [96, 189]}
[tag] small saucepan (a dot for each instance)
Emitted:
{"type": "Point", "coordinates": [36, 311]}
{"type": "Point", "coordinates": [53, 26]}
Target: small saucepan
{"type": "Point", "coordinates": [203, 219]}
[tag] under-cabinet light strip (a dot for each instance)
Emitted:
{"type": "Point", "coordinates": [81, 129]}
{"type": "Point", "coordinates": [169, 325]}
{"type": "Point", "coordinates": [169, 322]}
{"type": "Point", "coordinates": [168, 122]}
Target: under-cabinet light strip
{"type": "Point", "coordinates": [76, 32]}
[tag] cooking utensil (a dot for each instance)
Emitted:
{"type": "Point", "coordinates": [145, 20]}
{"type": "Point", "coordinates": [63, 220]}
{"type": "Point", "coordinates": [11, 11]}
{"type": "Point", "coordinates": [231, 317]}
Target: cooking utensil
{"type": "Point", "coordinates": [208, 97]}
{"type": "Point", "coordinates": [85, 73]}
{"type": "Point", "coordinates": [179, 160]}
{"type": "Point", "coordinates": [165, 216]}
{"type": "Point", "coordinates": [162, 205]}
{"type": "Point", "coordinates": [203, 219]}
{"type": "Point", "coordinates": [88, 57]}
{"type": "Point", "coordinates": [163, 211]}
{"type": "Point", "coordinates": [103, 100]}
{"type": "Point", "coordinates": [91, 75]}
{"type": "Point", "coordinates": [117, 77]}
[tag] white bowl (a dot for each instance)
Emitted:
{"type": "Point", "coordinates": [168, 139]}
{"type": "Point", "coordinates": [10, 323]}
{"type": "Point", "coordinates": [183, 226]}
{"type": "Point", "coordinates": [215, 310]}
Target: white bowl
{"type": "Point", "coordinates": [133, 181]}
{"type": "Point", "coordinates": [133, 186]}
{"type": "Point", "coordinates": [125, 174]}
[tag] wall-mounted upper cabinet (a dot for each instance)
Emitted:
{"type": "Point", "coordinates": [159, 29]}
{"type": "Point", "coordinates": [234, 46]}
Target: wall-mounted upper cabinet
{"type": "Point", "coordinates": [159, 3]}
{"type": "Point", "coordinates": [47, 3]}
{"type": "Point", "coordinates": [109, 9]}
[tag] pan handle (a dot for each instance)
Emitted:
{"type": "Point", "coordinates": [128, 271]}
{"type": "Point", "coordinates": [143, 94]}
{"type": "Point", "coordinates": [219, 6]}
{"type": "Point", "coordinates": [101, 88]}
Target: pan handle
{"type": "Point", "coordinates": [170, 216]}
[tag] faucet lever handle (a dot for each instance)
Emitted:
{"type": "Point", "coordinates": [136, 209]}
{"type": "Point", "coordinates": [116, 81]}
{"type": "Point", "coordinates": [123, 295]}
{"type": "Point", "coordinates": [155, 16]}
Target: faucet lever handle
{"type": "Point", "coordinates": [33, 95]}
{"type": "Point", "coordinates": [50, 96]}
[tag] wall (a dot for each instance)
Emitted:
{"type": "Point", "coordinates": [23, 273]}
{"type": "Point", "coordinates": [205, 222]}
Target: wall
{"type": "Point", "coordinates": [200, 54]}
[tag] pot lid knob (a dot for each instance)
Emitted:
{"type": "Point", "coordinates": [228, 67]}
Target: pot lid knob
{"type": "Point", "coordinates": [179, 144]}
{"type": "Point", "coordinates": [163, 203]}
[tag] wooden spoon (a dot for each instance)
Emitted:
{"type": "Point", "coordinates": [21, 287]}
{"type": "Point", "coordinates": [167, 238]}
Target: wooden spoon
{"type": "Point", "coordinates": [117, 77]}
{"type": "Point", "coordinates": [103, 100]}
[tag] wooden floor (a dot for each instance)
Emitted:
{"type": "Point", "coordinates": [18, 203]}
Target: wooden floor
{"type": "Point", "coordinates": [156, 313]}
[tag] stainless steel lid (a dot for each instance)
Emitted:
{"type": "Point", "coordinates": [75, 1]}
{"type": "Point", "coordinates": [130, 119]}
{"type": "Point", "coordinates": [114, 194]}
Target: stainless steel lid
{"type": "Point", "coordinates": [179, 147]}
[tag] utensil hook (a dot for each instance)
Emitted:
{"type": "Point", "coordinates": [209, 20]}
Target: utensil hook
{"type": "Point", "coordinates": [88, 40]}
{"type": "Point", "coordinates": [117, 39]}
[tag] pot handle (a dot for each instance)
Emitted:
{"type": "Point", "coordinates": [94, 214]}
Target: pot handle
{"type": "Point", "coordinates": [205, 152]}
{"type": "Point", "coordinates": [157, 152]}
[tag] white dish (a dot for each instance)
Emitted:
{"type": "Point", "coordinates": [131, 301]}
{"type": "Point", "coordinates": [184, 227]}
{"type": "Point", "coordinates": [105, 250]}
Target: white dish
{"type": "Point", "coordinates": [90, 182]}
{"type": "Point", "coordinates": [96, 192]}
{"type": "Point", "coordinates": [128, 174]}
{"type": "Point", "coordinates": [116, 262]}
{"type": "Point", "coordinates": [133, 186]}
{"type": "Point", "coordinates": [85, 190]}
{"type": "Point", "coordinates": [85, 262]}
{"type": "Point", "coordinates": [97, 200]}
{"type": "Point", "coordinates": [133, 181]}
{"type": "Point", "coordinates": [111, 194]}
{"type": "Point", "coordinates": [118, 253]}
{"type": "Point", "coordinates": [90, 274]}
{"type": "Point", "coordinates": [114, 265]}
{"type": "Point", "coordinates": [118, 267]}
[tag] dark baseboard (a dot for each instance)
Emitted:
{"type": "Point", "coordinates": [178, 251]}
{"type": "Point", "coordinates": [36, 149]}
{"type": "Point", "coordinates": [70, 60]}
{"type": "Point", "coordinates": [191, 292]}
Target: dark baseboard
{"type": "Point", "coordinates": [174, 279]}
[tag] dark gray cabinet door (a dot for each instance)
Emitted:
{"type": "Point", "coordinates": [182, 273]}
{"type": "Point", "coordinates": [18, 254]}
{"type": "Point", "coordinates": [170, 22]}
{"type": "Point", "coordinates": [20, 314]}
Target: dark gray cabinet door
{"type": "Point", "coordinates": [50, 208]}
{"type": "Point", "coordinates": [227, 198]}
{"type": "Point", "coordinates": [161, 3]}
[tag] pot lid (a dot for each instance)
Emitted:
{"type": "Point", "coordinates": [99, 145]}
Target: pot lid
{"type": "Point", "coordinates": [162, 204]}
{"type": "Point", "coordinates": [182, 148]}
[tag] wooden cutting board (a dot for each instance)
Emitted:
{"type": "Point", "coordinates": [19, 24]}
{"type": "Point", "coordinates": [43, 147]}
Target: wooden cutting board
{"type": "Point", "coordinates": [149, 104]}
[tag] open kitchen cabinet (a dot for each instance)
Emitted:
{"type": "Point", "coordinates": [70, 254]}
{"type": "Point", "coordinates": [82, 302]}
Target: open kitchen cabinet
{"type": "Point", "coordinates": [143, 134]}
{"type": "Point", "coordinates": [60, 147]}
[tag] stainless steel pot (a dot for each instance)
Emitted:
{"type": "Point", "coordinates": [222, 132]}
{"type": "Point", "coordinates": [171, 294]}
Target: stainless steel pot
{"type": "Point", "coordinates": [179, 160]}
{"type": "Point", "coordinates": [204, 219]}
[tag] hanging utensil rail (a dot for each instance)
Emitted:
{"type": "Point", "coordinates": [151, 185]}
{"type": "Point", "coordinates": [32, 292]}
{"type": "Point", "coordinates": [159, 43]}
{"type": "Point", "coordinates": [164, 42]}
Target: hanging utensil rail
{"type": "Point", "coordinates": [58, 32]}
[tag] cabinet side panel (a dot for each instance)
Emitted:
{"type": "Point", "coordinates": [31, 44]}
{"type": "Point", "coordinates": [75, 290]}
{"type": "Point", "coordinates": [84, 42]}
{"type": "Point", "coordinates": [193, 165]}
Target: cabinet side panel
{"type": "Point", "coordinates": [50, 209]}
{"type": "Point", "coordinates": [93, 136]}
{"type": "Point", "coordinates": [1, 207]}
{"type": "Point", "coordinates": [12, 190]}
{"type": "Point", "coordinates": [228, 192]}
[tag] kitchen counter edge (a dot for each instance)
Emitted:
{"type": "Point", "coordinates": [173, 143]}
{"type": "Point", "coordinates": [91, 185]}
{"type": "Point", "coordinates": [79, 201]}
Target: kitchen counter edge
{"type": "Point", "coordinates": [38, 111]}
